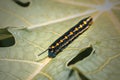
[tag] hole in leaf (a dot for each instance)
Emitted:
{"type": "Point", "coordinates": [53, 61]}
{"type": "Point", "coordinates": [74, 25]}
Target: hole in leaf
{"type": "Point", "coordinates": [71, 73]}
{"type": "Point", "coordinates": [22, 4]}
{"type": "Point", "coordinates": [6, 38]}
{"type": "Point", "coordinates": [85, 53]}
{"type": "Point", "coordinates": [80, 74]}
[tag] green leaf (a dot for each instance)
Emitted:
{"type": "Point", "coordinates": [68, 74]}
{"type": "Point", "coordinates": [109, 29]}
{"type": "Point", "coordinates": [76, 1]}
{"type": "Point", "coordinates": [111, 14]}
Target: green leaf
{"type": "Point", "coordinates": [37, 26]}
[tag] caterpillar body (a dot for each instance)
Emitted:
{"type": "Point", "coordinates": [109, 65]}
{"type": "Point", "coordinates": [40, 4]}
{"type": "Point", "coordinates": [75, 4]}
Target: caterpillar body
{"type": "Point", "coordinates": [68, 37]}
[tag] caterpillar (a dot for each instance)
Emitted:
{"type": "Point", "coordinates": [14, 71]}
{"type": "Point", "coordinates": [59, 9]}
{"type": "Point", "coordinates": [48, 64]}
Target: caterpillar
{"type": "Point", "coordinates": [68, 37]}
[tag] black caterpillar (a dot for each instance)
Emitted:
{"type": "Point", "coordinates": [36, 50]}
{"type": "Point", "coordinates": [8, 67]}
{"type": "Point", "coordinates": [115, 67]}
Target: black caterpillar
{"type": "Point", "coordinates": [68, 37]}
